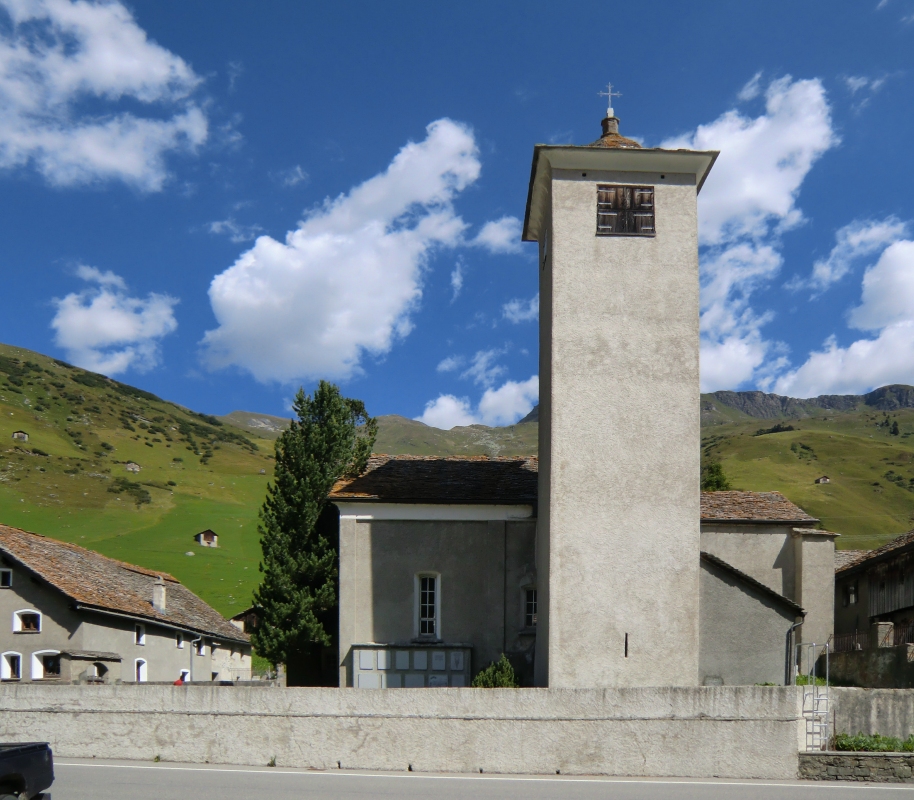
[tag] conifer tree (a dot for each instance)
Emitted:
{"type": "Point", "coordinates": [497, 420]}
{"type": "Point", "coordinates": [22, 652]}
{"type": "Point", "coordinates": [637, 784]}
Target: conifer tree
{"type": "Point", "coordinates": [331, 438]}
{"type": "Point", "coordinates": [713, 478]}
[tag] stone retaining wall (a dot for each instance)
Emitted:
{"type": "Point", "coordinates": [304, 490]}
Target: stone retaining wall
{"type": "Point", "coordinates": [725, 731]}
{"type": "Point", "coordinates": [869, 767]}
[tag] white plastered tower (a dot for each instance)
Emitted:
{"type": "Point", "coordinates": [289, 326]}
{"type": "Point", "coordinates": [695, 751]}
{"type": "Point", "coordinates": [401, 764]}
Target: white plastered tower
{"type": "Point", "coordinates": [619, 440]}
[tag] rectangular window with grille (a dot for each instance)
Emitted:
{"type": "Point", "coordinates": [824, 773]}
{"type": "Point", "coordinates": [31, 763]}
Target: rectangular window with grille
{"type": "Point", "coordinates": [625, 210]}
{"type": "Point", "coordinates": [427, 606]}
{"type": "Point", "coordinates": [530, 608]}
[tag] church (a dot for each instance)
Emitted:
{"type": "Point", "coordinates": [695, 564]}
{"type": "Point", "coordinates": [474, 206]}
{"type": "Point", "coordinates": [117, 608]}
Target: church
{"type": "Point", "coordinates": [599, 563]}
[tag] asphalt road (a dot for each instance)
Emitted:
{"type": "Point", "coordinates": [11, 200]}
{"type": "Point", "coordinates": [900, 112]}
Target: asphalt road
{"type": "Point", "coordinates": [123, 780]}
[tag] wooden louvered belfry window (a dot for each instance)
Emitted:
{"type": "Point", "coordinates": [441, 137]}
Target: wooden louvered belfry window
{"type": "Point", "coordinates": [625, 210]}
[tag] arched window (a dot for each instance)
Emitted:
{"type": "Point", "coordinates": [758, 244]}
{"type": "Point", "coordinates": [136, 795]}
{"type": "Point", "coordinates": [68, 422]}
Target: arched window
{"type": "Point", "coordinates": [10, 666]}
{"type": "Point", "coordinates": [45, 665]}
{"type": "Point", "coordinates": [27, 620]}
{"type": "Point", "coordinates": [140, 670]}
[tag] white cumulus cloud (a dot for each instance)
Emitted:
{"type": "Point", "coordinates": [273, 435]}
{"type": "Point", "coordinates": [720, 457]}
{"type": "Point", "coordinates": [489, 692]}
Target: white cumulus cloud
{"type": "Point", "coordinates": [105, 330]}
{"type": "Point", "coordinates": [886, 309]}
{"type": "Point", "coordinates": [748, 201]}
{"type": "Point", "coordinates": [500, 236]}
{"type": "Point", "coordinates": [483, 370]}
{"type": "Point", "coordinates": [502, 406]}
{"type": "Point", "coordinates": [456, 281]}
{"type": "Point", "coordinates": [857, 240]}
{"type": "Point", "coordinates": [522, 310]}
{"type": "Point", "coordinates": [234, 230]}
{"type": "Point", "coordinates": [763, 160]}
{"type": "Point", "coordinates": [345, 281]}
{"type": "Point", "coordinates": [54, 56]}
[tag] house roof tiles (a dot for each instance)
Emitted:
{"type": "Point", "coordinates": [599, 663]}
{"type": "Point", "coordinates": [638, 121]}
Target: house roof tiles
{"type": "Point", "coordinates": [455, 479]}
{"type": "Point", "coordinates": [103, 584]}
{"type": "Point", "coordinates": [906, 540]}
{"type": "Point", "coordinates": [751, 506]}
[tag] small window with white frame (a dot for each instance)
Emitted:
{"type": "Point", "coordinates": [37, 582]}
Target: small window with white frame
{"type": "Point", "coordinates": [6, 578]}
{"type": "Point", "coordinates": [428, 606]}
{"type": "Point", "coordinates": [139, 669]}
{"type": "Point", "coordinates": [179, 640]}
{"type": "Point", "coordinates": [45, 665]}
{"type": "Point", "coordinates": [139, 634]}
{"type": "Point", "coordinates": [530, 608]}
{"type": "Point", "coordinates": [28, 620]}
{"type": "Point", "coordinates": [200, 647]}
{"type": "Point", "coordinates": [11, 667]}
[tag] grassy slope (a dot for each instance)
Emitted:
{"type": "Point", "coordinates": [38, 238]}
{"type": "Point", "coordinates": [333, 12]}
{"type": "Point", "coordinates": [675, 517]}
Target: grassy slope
{"type": "Point", "coordinates": [853, 449]}
{"type": "Point", "coordinates": [65, 493]}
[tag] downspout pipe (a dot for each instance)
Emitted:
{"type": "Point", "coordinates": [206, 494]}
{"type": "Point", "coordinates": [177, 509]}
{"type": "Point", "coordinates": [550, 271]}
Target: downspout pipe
{"type": "Point", "coordinates": [788, 664]}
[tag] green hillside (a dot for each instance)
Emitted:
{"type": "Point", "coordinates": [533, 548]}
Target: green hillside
{"type": "Point", "coordinates": [70, 481]}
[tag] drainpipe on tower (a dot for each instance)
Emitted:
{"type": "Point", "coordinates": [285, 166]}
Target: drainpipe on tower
{"type": "Point", "coordinates": [788, 663]}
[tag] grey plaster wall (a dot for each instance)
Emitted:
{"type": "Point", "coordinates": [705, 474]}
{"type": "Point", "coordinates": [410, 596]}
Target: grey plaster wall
{"type": "Point", "coordinates": [886, 711]}
{"type": "Point", "coordinates": [877, 667]}
{"type": "Point", "coordinates": [623, 500]}
{"type": "Point", "coordinates": [480, 564]}
{"type": "Point", "coordinates": [801, 567]}
{"type": "Point", "coordinates": [743, 632]}
{"type": "Point", "coordinates": [745, 732]}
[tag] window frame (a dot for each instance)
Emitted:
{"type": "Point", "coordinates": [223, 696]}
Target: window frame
{"type": "Point", "coordinates": [528, 590]}
{"type": "Point", "coordinates": [139, 634]}
{"type": "Point", "coordinates": [179, 640]}
{"type": "Point", "coordinates": [6, 667]}
{"type": "Point", "coordinates": [634, 211]}
{"type": "Point", "coordinates": [17, 620]}
{"type": "Point", "coordinates": [417, 610]}
{"type": "Point", "coordinates": [7, 573]}
{"type": "Point", "coordinates": [140, 670]}
{"type": "Point", "coordinates": [38, 673]}
{"type": "Point", "coordinates": [200, 647]}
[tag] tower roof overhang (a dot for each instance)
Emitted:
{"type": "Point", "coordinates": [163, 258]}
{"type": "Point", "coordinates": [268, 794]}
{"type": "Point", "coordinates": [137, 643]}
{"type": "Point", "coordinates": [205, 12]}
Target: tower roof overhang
{"type": "Point", "coordinates": [549, 157]}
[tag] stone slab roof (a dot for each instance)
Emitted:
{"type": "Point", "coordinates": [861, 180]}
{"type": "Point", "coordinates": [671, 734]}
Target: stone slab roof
{"type": "Point", "coordinates": [844, 558]}
{"type": "Point", "coordinates": [100, 583]}
{"type": "Point", "coordinates": [749, 580]}
{"type": "Point", "coordinates": [431, 479]}
{"type": "Point", "coordinates": [898, 544]}
{"type": "Point", "coordinates": [751, 506]}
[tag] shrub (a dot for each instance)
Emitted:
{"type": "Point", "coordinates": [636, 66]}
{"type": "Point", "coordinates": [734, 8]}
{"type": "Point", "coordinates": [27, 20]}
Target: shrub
{"type": "Point", "coordinates": [498, 675]}
{"type": "Point", "coordinates": [873, 743]}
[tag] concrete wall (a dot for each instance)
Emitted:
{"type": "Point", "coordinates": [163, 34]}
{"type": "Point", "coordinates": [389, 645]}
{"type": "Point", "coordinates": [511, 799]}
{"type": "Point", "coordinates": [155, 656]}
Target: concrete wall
{"type": "Point", "coordinates": [799, 566]}
{"type": "Point", "coordinates": [63, 628]}
{"type": "Point", "coordinates": [877, 667]}
{"type": "Point", "coordinates": [481, 566]}
{"type": "Point", "coordinates": [623, 498]}
{"type": "Point", "coordinates": [886, 711]}
{"type": "Point", "coordinates": [747, 732]}
{"type": "Point", "coordinates": [743, 631]}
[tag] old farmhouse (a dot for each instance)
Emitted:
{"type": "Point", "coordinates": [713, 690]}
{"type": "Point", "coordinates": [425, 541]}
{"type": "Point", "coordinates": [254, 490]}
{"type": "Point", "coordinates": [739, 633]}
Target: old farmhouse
{"type": "Point", "coordinates": [69, 614]}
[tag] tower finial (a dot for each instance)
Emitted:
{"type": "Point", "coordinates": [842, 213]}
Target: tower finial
{"type": "Point", "coordinates": [609, 94]}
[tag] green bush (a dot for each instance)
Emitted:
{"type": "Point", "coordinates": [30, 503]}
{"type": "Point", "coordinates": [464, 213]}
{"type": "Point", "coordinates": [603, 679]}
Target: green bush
{"type": "Point", "coordinates": [498, 675]}
{"type": "Point", "coordinates": [873, 743]}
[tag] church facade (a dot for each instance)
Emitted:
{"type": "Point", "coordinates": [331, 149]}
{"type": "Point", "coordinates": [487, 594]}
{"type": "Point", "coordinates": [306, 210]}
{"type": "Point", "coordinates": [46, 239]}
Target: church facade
{"type": "Point", "coordinates": [594, 565]}
{"type": "Point", "coordinates": [438, 576]}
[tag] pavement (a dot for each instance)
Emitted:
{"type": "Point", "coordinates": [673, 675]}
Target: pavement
{"type": "Point", "coordinates": [97, 779]}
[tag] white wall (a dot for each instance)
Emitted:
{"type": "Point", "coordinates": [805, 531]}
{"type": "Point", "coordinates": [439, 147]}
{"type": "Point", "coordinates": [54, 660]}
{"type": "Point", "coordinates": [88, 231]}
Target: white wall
{"type": "Point", "coordinates": [745, 732]}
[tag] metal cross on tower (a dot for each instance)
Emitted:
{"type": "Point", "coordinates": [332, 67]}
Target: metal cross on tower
{"type": "Point", "coordinates": [609, 94]}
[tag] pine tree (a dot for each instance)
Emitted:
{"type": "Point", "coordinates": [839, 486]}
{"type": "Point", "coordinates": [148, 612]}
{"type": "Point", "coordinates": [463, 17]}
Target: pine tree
{"type": "Point", "coordinates": [331, 438]}
{"type": "Point", "coordinates": [894, 430]}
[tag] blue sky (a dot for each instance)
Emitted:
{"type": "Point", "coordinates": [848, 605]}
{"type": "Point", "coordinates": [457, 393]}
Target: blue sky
{"type": "Point", "coordinates": [219, 202]}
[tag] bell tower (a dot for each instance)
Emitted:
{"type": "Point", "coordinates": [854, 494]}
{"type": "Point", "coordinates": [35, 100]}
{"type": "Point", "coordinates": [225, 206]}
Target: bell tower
{"type": "Point", "coordinates": [619, 439]}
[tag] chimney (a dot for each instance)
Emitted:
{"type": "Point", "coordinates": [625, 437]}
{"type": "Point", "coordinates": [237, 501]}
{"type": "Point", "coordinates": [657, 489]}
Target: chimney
{"type": "Point", "coordinates": [158, 594]}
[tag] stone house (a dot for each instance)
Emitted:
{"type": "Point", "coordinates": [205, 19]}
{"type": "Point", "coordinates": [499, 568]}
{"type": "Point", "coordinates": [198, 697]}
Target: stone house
{"type": "Point", "coordinates": [71, 615]}
{"type": "Point", "coordinates": [207, 538]}
{"type": "Point", "coordinates": [132, 466]}
{"type": "Point", "coordinates": [438, 561]}
{"type": "Point", "coordinates": [20, 436]}
{"type": "Point", "coordinates": [823, 479]}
